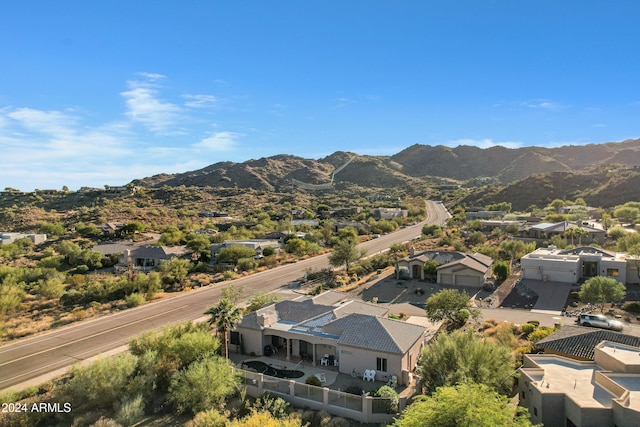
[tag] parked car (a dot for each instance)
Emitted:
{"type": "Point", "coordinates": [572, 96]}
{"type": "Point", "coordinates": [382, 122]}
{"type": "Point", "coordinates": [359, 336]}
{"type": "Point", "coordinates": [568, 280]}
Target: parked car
{"type": "Point", "coordinates": [599, 321]}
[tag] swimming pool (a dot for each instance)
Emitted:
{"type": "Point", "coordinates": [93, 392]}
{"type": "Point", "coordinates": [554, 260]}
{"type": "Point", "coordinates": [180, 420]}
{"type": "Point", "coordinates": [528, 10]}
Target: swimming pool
{"type": "Point", "coordinates": [265, 369]}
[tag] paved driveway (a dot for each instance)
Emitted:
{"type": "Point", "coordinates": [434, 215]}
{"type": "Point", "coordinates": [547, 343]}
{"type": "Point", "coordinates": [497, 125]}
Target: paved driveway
{"type": "Point", "coordinates": [552, 296]}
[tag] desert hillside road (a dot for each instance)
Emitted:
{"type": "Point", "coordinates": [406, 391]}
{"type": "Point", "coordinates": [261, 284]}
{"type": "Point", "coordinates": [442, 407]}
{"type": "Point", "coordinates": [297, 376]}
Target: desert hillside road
{"type": "Point", "coordinates": [29, 358]}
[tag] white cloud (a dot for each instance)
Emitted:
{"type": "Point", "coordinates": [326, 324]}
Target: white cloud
{"type": "Point", "coordinates": [152, 76]}
{"type": "Point", "coordinates": [219, 141]}
{"type": "Point", "coordinates": [542, 104]}
{"type": "Point", "coordinates": [145, 107]}
{"type": "Point", "coordinates": [483, 143]}
{"type": "Point", "coordinates": [200, 101]}
{"type": "Point", "coordinates": [45, 122]}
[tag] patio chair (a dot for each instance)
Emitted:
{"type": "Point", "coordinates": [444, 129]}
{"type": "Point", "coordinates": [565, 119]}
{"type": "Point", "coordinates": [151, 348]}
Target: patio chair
{"type": "Point", "coordinates": [372, 373]}
{"type": "Point", "coordinates": [322, 377]}
{"type": "Point", "coordinates": [369, 375]}
{"type": "Point", "coordinates": [393, 381]}
{"type": "Point", "coordinates": [324, 361]}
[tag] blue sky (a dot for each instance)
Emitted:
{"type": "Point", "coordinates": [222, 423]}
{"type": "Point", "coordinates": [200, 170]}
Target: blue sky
{"type": "Point", "coordinates": [95, 93]}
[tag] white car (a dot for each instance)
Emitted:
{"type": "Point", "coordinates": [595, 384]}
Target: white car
{"type": "Point", "coordinates": [599, 321]}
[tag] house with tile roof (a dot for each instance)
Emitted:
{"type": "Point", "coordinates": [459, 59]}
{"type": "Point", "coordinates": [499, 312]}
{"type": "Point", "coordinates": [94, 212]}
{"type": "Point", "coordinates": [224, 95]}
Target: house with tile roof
{"type": "Point", "coordinates": [148, 257]}
{"type": "Point", "coordinates": [579, 342]}
{"type": "Point", "coordinates": [546, 230]}
{"type": "Point", "coordinates": [353, 336]}
{"type": "Point", "coordinates": [605, 392]}
{"type": "Point", "coordinates": [576, 264]}
{"type": "Point", "coordinates": [454, 268]}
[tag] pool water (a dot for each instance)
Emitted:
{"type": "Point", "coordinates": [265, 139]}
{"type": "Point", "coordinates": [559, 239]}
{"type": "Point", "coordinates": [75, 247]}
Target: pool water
{"type": "Point", "coordinates": [263, 368]}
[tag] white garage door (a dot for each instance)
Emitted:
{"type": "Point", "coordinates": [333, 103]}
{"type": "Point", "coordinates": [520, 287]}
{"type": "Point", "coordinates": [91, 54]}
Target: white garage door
{"type": "Point", "coordinates": [559, 276]}
{"type": "Point", "coordinates": [462, 280]}
{"type": "Point", "coordinates": [446, 279]}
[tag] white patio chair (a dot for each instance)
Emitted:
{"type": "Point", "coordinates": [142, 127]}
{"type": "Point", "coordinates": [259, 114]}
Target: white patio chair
{"type": "Point", "coordinates": [322, 377]}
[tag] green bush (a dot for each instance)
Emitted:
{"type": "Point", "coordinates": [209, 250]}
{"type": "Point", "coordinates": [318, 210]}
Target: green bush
{"type": "Point", "coordinates": [134, 300]}
{"type": "Point", "coordinates": [633, 307]}
{"type": "Point", "coordinates": [534, 322]}
{"type": "Point", "coordinates": [313, 380]}
{"type": "Point", "coordinates": [527, 328]}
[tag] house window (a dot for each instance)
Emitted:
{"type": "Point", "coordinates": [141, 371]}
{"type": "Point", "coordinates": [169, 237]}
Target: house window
{"type": "Point", "coordinates": [381, 364]}
{"type": "Point", "coordinates": [234, 338]}
{"type": "Point", "coordinates": [612, 272]}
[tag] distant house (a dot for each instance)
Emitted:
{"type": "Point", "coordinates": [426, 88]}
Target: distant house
{"type": "Point", "coordinates": [328, 328]}
{"type": "Point", "coordinates": [388, 213]}
{"type": "Point", "coordinates": [148, 257]}
{"type": "Point", "coordinates": [111, 227]}
{"type": "Point", "coordinates": [572, 265]}
{"type": "Point", "coordinates": [470, 216]}
{"type": "Point", "coordinates": [576, 209]}
{"type": "Point", "coordinates": [7, 238]}
{"type": "Point", "coordinates": [545, 231]}
{"type": "Point", "coordinates": [560, 392]}
{"type": "Point", "coordinates": [257, 245]}
{"type": "Point", "coordinates": [454, 268]}
{"type": "Point", "coordinates": [356, 225]}
{"type": "Point", "coordinates": [120, 189]}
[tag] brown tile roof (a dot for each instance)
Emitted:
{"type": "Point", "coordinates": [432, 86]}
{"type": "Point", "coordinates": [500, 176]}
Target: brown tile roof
{"type": "Point", "coordinates": [579, 341]}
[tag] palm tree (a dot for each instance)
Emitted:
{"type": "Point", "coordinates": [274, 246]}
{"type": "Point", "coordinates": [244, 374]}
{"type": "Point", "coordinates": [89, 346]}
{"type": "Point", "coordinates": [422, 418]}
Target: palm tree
{"type": "Point", "coordinates": [581, 232]}
{"type": "Point", "coordinates": [224, 315]}
{"type": "Point", "coordinates": [571, 231]}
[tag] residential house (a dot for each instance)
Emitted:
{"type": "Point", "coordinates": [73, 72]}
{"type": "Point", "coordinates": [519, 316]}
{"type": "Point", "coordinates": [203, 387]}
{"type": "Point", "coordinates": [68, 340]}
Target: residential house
{"type": "Point", "coordinates": [454, 268]}
{"type": "Point", "coordinates": [7, 238]}
{"type": "Point", "coordinates": [112, 228]}
{"type": "Point", "coordinates": [573, 265]}
{"type": "Point", "coordinates": [356, 225]}
{"type": "Point", "coordinates": [353, 336]}
{"type": "Point", "coordinates": [545, 231]}
{"type": "Point", "coordinates": [148, 257]}
{"type": "Point", "coordinates": [470, 216]}
{"type": "Point", "coordinates": [388, 213]}
{"type": "Point", "coordinates": [579, 342]}
{"type": "Point", "coordinates": [256, 244]}
{"type": "Point", "coordinates": [588, 211]}
{"type": "Point", "coordinates": [559, 391]}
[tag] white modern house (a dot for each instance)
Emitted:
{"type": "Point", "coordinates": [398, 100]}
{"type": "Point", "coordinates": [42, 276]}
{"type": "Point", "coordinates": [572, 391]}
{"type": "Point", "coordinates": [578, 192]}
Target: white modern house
{"type": "Point", "coordinates": [571, 265]}
{"type": "Point", "coordinates": [563, 392]}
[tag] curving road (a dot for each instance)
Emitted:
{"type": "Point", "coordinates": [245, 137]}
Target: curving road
{"type": "Point", "coordinates": [30, 358]}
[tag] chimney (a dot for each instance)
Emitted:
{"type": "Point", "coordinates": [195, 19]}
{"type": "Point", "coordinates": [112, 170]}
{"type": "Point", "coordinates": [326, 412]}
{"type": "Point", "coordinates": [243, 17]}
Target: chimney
{"type": "Point", "coordinates": [412, 251]}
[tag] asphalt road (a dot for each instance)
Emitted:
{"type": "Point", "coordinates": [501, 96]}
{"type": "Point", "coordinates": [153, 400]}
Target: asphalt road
{"type": "Point", "coordinates": [30, 358]}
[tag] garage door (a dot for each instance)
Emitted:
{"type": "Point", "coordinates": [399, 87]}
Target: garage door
{"type": "Point", "coordinates": [462, 280]}
{"type": "Point", "coordinates": [446, 279]}
{"type": "Point", "coordinates": [559, 276]}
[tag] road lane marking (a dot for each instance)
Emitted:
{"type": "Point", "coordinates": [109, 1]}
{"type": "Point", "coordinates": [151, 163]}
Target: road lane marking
{"type": "Point", "coordinates": [91, 336]}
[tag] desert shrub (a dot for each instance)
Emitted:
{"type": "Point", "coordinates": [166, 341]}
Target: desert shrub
{"type": "Point", "coordinates": [273, 404]}
{"type": "Point", "coordinates": [82, 268]}
{"type": "Point", "coordinates": [534, 322]}
{"type": "Point", "coordinates": [539, 334]}
{"type": "Point", "coordinates": [246, 264]}
{"type": "Point", "coordinates": [354, 389]}
{"type": "Point", "coordinates": [313, 380]}
{"type": "Point", "coordinates": [210, 418]}
{"type": "Point", "coordinates": [527, 328]}
{"type": "Point", "coordinates": [202, 385]}
{"type": "Point", "coordinates": [633, 307]}
{"type": "Point", "coordinates": [134, 300]}
{"type": "Point", "coordinates": [131, 410]}
{"type": "Point", "coordinates": [387, 392]}
{"type": "Point", "coordinates": [489, 323]}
